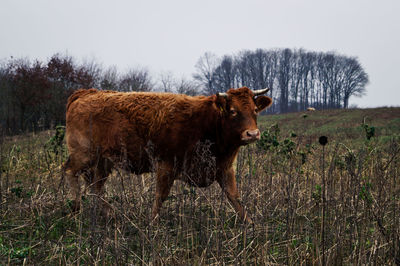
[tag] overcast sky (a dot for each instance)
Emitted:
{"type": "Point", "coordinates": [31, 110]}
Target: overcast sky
{"type": "Point", "coordinates": [171, 35]}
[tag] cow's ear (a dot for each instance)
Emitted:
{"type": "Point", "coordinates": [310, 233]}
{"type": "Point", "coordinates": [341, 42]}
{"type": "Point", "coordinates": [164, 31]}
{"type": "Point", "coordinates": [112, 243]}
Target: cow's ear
{"type": "Point", "coordinates": [222, 102]}
{"type": "Point", "coordinates": [263, 102]}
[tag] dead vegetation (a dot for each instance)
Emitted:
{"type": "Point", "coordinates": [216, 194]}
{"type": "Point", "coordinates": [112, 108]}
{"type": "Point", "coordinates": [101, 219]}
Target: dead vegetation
{"type": "Point", "coordinates": [336, 204]}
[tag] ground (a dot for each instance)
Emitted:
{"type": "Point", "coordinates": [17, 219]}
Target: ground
{"type": "Point", "coordinates": [338, 203]}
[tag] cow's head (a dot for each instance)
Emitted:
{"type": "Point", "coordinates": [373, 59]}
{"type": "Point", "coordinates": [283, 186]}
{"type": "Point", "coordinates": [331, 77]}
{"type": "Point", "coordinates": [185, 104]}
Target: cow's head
{"type": "Point", "coordinates": [239, 109]}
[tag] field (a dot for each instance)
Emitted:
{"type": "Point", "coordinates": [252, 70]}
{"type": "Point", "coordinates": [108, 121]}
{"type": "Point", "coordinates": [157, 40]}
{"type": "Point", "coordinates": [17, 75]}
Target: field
{"type": "Point", "coordinates": [311, 204]}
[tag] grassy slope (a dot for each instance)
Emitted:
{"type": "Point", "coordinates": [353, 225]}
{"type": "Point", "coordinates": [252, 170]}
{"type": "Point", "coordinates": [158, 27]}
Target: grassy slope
{"type": "Point", "coordinates": [338, 125]}
{"type": "Point", "coordinates": [282, 192]}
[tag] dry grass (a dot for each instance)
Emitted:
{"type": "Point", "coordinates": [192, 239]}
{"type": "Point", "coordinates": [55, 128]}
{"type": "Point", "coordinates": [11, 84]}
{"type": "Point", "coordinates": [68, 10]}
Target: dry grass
{"type": "Point", "coordinates": [351, 218]}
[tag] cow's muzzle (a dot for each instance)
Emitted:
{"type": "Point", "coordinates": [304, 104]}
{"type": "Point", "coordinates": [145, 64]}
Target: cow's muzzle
{"type": "Point", "coordinates": [250, 135]}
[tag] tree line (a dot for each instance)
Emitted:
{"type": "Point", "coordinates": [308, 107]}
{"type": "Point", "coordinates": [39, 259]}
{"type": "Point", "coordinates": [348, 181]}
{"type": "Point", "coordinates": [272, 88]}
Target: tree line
{"type": "Point", "coordinates": [33, 94]}
{"type": "Point", "coordinates": [297, 78]}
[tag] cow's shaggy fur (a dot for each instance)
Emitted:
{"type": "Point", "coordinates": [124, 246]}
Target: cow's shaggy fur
{"type": "Point", "coordinates": [161, 132]}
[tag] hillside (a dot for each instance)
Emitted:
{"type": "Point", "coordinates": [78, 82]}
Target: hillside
{"type": "Point", "coordinates": [309, 204]}
{"type": "Point", "coordinates": [339, 124]}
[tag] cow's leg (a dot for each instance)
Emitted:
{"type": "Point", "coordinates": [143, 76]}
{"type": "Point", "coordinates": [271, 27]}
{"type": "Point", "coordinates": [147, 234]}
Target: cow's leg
{"type": "Point", "coordinates": [73, 181]}
{"type": "Point", "coordinates": [100, 177]}
{"type": "Point", "coordinates": [73, 167]}
{"type": "Point", "coordinates": [96, 177]}
{"type": "Point", "coordinates": [228, 185]}
{"type": "Point", "coordinates": [164, 182]}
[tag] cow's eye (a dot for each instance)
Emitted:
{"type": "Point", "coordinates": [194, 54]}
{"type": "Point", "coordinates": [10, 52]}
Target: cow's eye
{"type": "Point", "coordinates": [233, 112]}
{"type": "Point", "coordinates": [256, 110]}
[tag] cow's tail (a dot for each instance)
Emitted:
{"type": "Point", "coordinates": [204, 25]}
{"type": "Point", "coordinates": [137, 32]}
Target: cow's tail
{"type": "Point", "coordinates": [78, 94]}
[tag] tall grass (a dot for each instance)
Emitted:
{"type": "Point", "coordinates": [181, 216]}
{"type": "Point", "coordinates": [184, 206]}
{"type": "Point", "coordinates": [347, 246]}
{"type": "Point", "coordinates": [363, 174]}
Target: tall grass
{"type": "Point", "coordinates": [351, 218]}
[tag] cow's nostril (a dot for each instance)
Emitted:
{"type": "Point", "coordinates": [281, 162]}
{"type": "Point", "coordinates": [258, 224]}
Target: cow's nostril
{"type": "Point", "coordinates": [253, 133]}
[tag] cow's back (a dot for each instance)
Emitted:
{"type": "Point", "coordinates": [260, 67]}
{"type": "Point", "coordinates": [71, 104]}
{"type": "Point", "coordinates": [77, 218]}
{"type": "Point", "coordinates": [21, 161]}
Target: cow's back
{"type": "Point", "coordinates": [139, 125]}
{"type": "Point", "coordinates": [98, 127]}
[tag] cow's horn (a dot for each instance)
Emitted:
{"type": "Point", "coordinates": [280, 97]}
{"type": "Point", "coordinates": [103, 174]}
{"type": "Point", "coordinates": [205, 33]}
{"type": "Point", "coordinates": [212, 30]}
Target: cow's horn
{"type": "Point", "coordinates": [222, 94]}
{"type": "Point", "coordinates": [260, 92]}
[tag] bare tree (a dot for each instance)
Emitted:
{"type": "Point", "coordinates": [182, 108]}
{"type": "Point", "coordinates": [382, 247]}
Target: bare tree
{"type": "Point", "coordinates": [256, 70]}
{"type": "Point", "coordinates": [284, 74]}
{"type": "Point", "coordinates": [93, 70]}
{"type": "Point", "coordinates": [109, 79]}
{"type": "Point", "coordinates": [30, 89]}
{"type": "Point", "coordinates": [184, 86]}
{"type": "Point", "coordinates": [7, 123]}
{"type": "Point", "coordinates": [243, 68]}
{"type": "Point", "coordinates": [136, 80]}
{"type": "Point", "coordinates": [307, 60]}
{"type": "Point", "coordinates": [355, 80]}
{"type": "Point", "coordinates": [167, 82]}
{"type": "Point", "coordinates": [271, 73]}
{"type": "Point", "coordinates": [205, 70]}
{"type": "Point", "coordinates": [302, 78]}
{"type": "Point", "coordinates": [61, 72]}
{"type": "Point", "coordinates": [296, 71]}
{"type": "Point", "coordinates": [225, 75]}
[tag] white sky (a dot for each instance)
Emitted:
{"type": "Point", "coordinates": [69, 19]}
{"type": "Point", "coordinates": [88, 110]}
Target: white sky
{"type": "Point", "coordinates": [171, 35]}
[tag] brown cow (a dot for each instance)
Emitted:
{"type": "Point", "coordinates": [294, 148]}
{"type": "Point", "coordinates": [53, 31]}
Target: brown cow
{"type": "Point", "coordinates": [194, 139]}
